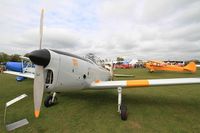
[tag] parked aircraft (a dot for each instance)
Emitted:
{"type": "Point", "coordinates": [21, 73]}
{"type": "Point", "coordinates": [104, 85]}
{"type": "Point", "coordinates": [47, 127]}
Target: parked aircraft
{"type": "Point", "coordinates": [25, 67]}
{"type": "Point", "coordinates": [162, 66]}
{"type": "Point", "coordinates": [123, 66]}
{"type": "Point", "coordinates": [57, 71]}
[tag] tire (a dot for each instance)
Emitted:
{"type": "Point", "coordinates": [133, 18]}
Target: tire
{"type": "Point", "coordinates": [123, 114]}
{"type": "Point", "coordinates": [48, 101]}
{"type": "Point", "coordinates": [151, 71]}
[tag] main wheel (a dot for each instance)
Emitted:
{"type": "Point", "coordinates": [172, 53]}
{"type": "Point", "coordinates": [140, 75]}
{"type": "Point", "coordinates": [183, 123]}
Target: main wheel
{"type": "Point", "coordinates": [48, 101]}
{"type": "Point", "coordinates": [123, 114]}
{"type": "Point", "coordinates": [151, 70]}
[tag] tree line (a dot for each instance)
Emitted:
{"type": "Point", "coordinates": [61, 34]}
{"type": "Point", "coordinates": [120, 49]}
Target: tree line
{"type": "Point", "coordinates": [15, 57]}
{"type": "Point", "coordinates": [5, 57]}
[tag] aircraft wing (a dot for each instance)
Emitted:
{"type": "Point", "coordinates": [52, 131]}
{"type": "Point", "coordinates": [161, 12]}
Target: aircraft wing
{"type": "Point", "coordinates": [27, 75]}
{"type": "Point", "coordinates": [156, 61]}
{"type": "Point", "coordinates": [140, 83]}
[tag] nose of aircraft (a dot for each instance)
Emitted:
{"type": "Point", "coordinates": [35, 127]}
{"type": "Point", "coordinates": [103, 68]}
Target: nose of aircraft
{"type": "Point", "coordinates": [40, 57]}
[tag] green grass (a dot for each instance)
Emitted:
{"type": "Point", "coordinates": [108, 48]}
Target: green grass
{"type": "Point", "coordinates": [151, 109]}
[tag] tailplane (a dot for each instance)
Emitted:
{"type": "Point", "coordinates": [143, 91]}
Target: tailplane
{"type": "Point", "coordinates": [191, 67]}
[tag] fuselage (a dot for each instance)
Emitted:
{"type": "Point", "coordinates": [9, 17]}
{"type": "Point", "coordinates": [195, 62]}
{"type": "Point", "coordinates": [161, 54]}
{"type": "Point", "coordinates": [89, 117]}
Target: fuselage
{"type": "Point", "coordinates": [66, 71]}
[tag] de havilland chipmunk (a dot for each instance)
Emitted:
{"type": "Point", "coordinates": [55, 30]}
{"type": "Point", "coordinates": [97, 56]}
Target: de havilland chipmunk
{"type": "Point", "coordinates": [57, 71]}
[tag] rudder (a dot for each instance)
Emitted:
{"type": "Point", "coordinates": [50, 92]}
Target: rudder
{"type": "Point", "coordinates": [191, 67]}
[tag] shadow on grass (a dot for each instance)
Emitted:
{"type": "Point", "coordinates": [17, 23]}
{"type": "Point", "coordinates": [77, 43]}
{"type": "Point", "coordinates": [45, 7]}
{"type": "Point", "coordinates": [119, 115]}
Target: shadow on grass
{"type": "Point", "coordinates": [109, 97]}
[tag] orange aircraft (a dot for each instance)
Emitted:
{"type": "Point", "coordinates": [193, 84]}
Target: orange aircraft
{"type": "Point", "coordinates": [162, 66]}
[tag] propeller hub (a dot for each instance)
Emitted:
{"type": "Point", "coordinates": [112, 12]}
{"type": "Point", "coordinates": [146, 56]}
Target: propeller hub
{"type": "Point", "coordinates": [40, 57]}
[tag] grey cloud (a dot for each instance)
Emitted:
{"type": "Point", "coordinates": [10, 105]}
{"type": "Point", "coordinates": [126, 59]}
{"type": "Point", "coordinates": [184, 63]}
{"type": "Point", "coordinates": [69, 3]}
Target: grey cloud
{"type": "Point", "coordinates": [143, 29]}
{"type": "Point", "coordinates": [187, 33]}
{"type": "Point", "coordinates": [155, 10]}
{"type": "Point", "coordinates": [187, 15]}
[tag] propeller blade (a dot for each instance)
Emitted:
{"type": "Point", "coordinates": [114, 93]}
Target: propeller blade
{"type": "Point", "coordinates": [38, 89]}
{"type": "Point", "coordinates": [41, 27]}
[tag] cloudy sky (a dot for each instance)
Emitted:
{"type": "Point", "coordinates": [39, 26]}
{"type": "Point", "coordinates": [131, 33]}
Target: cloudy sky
{"type": "Point", "coordinates": [143, 29]}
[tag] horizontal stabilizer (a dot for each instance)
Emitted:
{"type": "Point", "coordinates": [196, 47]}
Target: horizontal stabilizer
{"type": "Point", "coordinates": [191, 67]}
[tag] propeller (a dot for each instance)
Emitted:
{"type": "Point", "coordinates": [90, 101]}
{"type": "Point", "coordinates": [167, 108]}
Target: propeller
{"type": "Point", "coordinates": [39, 81]}
{"type": "Point", "coordinates": [41, 27]}
{"type": "Point", "coordinates": [38, 88]}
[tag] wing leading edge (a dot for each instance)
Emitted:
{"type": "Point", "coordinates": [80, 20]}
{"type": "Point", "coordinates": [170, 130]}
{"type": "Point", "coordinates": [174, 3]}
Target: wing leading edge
{"type": "Point", "coordinates": [27, 75]}
{"type": "Point", "coordinates": [142, 83]}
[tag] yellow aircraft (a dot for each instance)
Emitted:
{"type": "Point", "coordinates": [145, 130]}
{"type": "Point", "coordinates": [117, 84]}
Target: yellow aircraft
{"type": "Point", "coordinates": [162, 66]}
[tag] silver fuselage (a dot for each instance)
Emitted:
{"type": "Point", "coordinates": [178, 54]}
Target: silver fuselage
{"type": "Point", "coordinates": [72, 72]}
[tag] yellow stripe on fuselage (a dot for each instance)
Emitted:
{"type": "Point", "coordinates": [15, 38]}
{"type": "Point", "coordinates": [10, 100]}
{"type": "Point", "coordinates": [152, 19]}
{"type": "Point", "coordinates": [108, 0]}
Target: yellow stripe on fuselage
{"type": "Point", "coordinates": [137, 83]}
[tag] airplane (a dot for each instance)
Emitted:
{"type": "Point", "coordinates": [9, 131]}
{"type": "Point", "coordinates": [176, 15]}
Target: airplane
{"type": "Point", "coordinates": [57, 71]}
{"type": "Point", "coordinates": [20, 68]}
{"type": "Point", "coordinates": [153, 66]}
{"type": "Point", "coordinates": [15, 67]}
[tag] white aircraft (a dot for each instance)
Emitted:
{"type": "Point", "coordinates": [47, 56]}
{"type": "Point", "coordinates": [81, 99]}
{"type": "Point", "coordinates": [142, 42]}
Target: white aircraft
{"type": "Point", "coordinates": [57, 71]}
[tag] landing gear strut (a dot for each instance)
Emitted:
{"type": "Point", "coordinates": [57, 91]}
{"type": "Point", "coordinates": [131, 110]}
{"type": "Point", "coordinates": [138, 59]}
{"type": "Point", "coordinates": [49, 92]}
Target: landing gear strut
{"type": "Point", "coordinates": [50, 100]}
{"type": "Point", "coordinates": [122, 109]}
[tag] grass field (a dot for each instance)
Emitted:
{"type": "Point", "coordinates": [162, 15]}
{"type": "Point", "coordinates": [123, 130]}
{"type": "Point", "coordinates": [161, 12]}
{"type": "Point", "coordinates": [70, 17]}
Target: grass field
{"type": "Point", "coordinates": [165, 109]}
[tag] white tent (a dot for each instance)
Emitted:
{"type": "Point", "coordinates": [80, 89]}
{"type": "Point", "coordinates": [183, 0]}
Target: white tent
{"type": "Point", "coordinates": [133, 61]}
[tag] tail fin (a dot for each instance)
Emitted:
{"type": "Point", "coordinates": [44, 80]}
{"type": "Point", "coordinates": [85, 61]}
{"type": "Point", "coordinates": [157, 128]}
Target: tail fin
{"type": "Point", "coordinates": [191, 67]}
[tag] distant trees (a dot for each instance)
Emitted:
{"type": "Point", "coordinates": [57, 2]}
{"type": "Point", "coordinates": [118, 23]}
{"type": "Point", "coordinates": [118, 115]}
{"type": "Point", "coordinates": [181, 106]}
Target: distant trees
{"type": "Point", "coordinates": [15, 57]}
{"type": "Point", "coordinates": [91, 56]}
{"type": "Point", "coordinates": [94, 58]}
{"type": "Point", "coordinates": [193, 60]}
{"type": "Point", "coordinates": [5, 57]}
{"type": "Point", "coordinates": [120, 59]}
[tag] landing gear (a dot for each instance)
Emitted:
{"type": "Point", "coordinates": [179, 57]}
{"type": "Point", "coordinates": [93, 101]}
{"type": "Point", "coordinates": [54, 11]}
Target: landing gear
{"type": "Point", "coordinates": [123, 114]}
{"type": "Point", "coordinates": [151, 70]}
{"type": "Point", "coordinates": [122, 109]}
{"type": "Point", "coordinates": [50, 100]}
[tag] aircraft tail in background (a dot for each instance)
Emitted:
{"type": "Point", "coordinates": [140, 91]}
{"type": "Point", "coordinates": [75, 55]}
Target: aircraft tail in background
{"type": "Point", "coordinates": [191, 67]}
